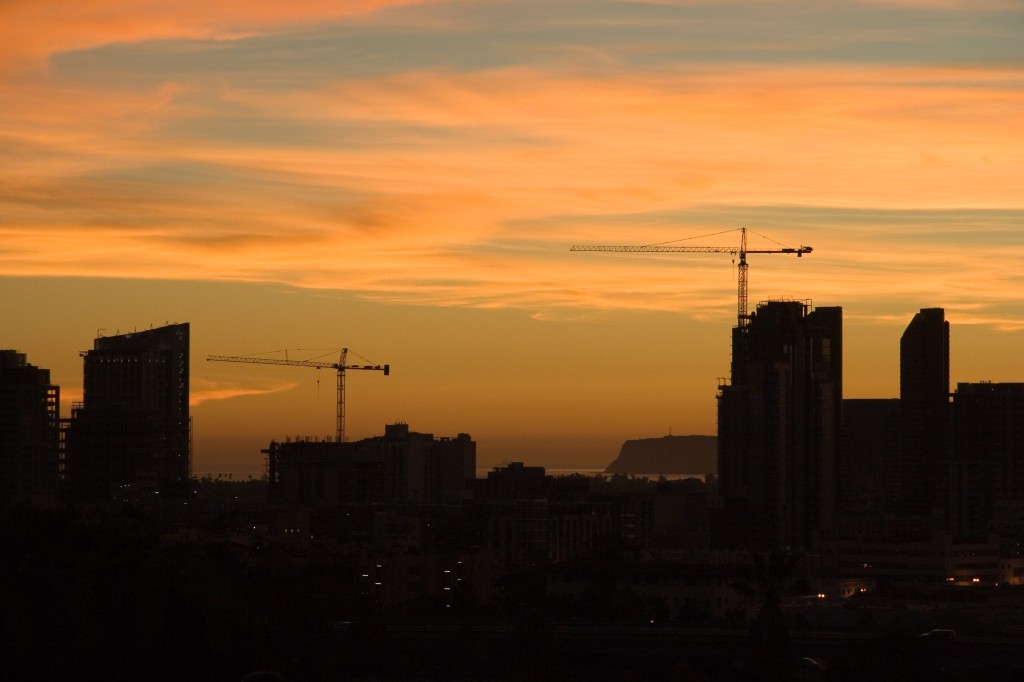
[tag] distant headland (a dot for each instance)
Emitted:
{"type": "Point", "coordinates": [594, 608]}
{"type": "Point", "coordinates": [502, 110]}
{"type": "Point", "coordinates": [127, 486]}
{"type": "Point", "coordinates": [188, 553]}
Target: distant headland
{"type": "Point", "coordinates": [667, 455]}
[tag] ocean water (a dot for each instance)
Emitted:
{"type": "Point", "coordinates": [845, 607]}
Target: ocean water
{"type": "Point", "coordinates": [482, 473]}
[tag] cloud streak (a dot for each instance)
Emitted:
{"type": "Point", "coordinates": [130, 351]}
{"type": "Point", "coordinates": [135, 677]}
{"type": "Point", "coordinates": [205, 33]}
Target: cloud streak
{"type": "Point", "coordinates": [459, 185]}
{"type": "Point", "coordinates": [37, 29]}
{"type": "Point", "coordinates": [204, 390]}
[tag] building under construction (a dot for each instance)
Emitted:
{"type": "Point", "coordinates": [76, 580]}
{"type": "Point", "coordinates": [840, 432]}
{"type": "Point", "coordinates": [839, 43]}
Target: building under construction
{"type": "Point", "coordinates": [779, 427]}
{"type": "Point", "coordinates": [399, 467]}
{"type": "Point", "coordinates": [132, 434]}
{"type": "Point", "coordinates": [29, 431]}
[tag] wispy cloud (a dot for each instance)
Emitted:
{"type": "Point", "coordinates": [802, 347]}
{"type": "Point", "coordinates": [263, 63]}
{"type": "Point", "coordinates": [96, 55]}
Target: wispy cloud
{"type": "Point", "coordinates": [203, 390]}
{"type": "Point", "coordinates": [36, 29]}
{"type": "Point", "coordinates": [462, 183]}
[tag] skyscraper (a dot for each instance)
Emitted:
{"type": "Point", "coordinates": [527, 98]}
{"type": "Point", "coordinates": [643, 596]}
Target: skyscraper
{"type": "Point", "coordinates": [924, 401]}
{"type": "Point", "coordinates": [987, 459]}
{"type": "Point", "coordinates": [778, 427]}
{"type": "Point", "coordinates": [869, 457]}
{"type": "Point", "coordinates": [131, 434]}
{"type": "Point", "coordinates": [29, 430]}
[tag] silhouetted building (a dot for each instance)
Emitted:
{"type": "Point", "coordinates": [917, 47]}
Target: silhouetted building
{"type": "Point", "coordinates": [779, 427]}
{"type": "Point", "coordinates": [871, 437]}
{"type": "Point", "coordinates": [514, 481]}
{"type": "Point", "coordinates": [29, 431]}
{"type": "Point", "coordinates": [924, 400]}
{"type": "Point", "coordinates": [1008, 525]}
{"type": "Point", "coordinates": [922, 565]}
{"type": "Point", "coordinates": [131, 435]}
{"type": "Point", "coordinates": [400, 466]}
{"type": "Point", "coordinates": [527, 518]}
{"type": "Point", "coordinates": [675, 585]}
{"type": "Point", "coordinates": [987, 454]}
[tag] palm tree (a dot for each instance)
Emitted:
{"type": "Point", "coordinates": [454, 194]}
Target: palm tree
{"type": "Point", "coordinates": [772, 575]}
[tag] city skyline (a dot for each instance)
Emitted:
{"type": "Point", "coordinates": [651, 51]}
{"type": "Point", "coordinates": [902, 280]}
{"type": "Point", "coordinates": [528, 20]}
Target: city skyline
{"type": "Point", "coordinates": [405, 180]}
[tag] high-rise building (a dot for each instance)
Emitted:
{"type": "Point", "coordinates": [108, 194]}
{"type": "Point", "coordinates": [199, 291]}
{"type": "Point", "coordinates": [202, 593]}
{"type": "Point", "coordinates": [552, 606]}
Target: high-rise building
{"type": "Point", "coordinates": [29, 431]}
{"type": "Point", "coordinates": [924, 401]}
{"type": "Point", "coordinates": [779, 423]}
{"type": "Point", "coordinates": [869, 456]}
{"type": "Point", "coordinates": [987, 459]}
{"type": "Point", "coordinates": [131, 434]}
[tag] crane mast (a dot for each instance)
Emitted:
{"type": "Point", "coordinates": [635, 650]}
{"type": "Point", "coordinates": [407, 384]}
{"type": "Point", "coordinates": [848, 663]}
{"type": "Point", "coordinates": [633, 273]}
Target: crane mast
{"type": "Point", "coordinates": [341, 366]}
{"type": "Point", "coordinates": [741, 251]}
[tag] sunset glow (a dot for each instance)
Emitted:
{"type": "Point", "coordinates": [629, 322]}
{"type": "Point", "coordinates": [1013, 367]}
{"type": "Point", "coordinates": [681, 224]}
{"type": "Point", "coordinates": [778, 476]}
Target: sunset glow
{"type": "Point", "coordinates": [405, 179]}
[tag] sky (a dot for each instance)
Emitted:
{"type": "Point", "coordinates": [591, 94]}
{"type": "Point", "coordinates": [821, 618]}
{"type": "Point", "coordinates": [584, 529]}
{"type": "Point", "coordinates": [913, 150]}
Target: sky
{"type": "Point", "coordinates": [405, 178]}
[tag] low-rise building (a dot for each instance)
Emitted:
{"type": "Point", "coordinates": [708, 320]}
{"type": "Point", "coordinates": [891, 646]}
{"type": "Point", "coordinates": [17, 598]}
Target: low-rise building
{"type": "Point", "coordinates": [923, 566]}
{"type": "Point", "coordinates": [400, 466]}
{"type": "Point", "coordinates": [697, 584]}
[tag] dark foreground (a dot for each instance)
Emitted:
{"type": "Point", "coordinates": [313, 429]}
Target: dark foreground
{"type": "Point", "coordinates": [110, 600]}
{"type": "Point", "coordinates": [610, 652]}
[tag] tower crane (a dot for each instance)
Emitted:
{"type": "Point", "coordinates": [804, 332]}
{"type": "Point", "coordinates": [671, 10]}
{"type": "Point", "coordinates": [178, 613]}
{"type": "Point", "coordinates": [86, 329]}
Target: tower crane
{"type": "Point", "coordinates": [340, 366]}
{"type": "Point", "coordinates": [741, 251]}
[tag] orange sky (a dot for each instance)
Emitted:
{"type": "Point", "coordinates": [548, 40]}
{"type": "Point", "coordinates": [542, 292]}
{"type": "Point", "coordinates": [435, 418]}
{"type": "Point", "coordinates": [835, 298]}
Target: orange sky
{"type": "Point", "coordinates": [405, 179]}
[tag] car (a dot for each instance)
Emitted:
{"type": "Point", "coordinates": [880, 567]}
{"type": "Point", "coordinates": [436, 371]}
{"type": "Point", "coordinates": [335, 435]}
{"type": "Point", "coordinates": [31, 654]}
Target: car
{"type": "Point", "coordinates": [264, 676]}
{"type": "Point", "coordinates": [938, 635]}
{"type": "Point", "coordinates": [808, 668]}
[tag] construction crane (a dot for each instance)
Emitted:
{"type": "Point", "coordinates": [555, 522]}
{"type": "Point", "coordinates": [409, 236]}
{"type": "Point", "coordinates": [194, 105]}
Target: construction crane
{"type": "Point", "coordinates": [741, 251]}
{"type": "Point", "coordinates": [340, 366]}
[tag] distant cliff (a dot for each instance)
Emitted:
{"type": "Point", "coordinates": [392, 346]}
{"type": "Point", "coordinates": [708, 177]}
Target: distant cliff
{"type": "Point", "coordinates": [667, 455]}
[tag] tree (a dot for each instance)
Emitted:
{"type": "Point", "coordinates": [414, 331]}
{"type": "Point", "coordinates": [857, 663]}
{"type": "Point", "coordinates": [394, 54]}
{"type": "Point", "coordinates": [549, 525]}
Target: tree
{"type": "Point", "coordinates": [771, 576]}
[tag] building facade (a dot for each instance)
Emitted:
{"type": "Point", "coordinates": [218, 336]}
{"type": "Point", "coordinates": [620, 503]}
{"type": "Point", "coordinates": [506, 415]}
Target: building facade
{"type": "Point", "coordinates": [400, 466]}
{"type": "Point", "coordinates": [925, 565]}
{"type": "Point", "coordinates": [871, 439]}
{"type": "Point", "coordinates": [987, 460]}
{"type": "Point", "coordinates": [924, 400]}
{"type": "Point", "coordinates": [779, 423]}
{"type": "Point", "coordinates": [131, 435]}
{"type": "Point", "coordinates": [29, 431]}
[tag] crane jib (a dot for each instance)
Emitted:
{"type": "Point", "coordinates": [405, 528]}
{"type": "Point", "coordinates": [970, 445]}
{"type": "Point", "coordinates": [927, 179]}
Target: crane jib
{"type": "Point", "coordinates": [742, 317]}
{"type": "Point", "coordinates": [341, 367]}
